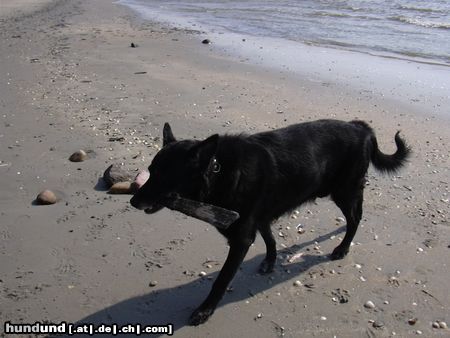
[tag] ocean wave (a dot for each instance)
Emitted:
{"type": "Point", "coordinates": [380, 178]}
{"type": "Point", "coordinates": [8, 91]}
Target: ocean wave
{"type": "Point", "coordinates": [341, 15]}
{"type": "Point", "coordinates": [420, 9]}
{"type": "Point", "coordinates": [422, 23]}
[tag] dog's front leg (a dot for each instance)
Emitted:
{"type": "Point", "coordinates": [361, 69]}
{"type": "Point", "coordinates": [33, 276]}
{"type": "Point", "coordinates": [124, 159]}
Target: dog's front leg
{"type": "Point", "coordinates": [238, 250]}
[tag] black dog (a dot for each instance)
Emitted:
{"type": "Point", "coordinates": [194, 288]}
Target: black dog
{"type": "Point", "coordinates": [265, 175]}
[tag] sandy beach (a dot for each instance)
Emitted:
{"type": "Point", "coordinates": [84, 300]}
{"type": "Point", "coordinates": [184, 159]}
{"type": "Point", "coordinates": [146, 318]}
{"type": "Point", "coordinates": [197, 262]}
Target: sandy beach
{"type": "Point", "coordinates": [70, 80]}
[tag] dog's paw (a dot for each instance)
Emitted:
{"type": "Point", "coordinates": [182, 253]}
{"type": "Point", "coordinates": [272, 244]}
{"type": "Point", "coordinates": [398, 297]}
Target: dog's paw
{"type": "Point", "coordinates": [200, 316]}
{"type": "Point", "coordinates": [339, 253]}
{"type": "Point", "coordinates": [266, 267]}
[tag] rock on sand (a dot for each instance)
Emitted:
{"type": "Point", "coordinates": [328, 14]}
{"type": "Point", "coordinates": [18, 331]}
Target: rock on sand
{"type": "Point", "coordinates": [121, 188]}
{"type": "Point", "coordinates": [115, 173]}
{"type": "Point", "coordinates": [46, 197]}
{"type": "Point", "coordinates": [78, 156]}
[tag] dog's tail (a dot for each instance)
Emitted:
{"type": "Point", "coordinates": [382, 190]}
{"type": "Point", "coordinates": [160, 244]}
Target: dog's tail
{"type": "Point", "coordinates": [389, 163]}
{"type": "Point", "coordinates": [382, 162]}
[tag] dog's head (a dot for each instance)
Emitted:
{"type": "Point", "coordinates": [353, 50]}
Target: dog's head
{"type": "Point", "coordinates": [180, 167]}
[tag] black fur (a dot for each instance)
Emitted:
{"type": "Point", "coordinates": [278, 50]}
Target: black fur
{"type": "Point", "coordinates": [265, 175]}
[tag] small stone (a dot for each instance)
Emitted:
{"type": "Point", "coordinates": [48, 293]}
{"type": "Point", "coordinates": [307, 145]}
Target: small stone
{"type": "Point", "coordinates": [442, 325]}
{"type": "Point", "coordinates": [78, 156]}
{"type": "Point", "coordinates": [419, 332]}
{"type": "Point", "coordinates": [300, 228]}
{"type": "Point", "coordinates": [202, 273]}
{"type": "Point", "coordinates": [206, 42]}
{"type": "Point", "coordinates": [377, 324]}
{"type": "Point", "coordinates": [153, 283]}
{"type": "Point", "coordinates": [369, 304]}
{"type": "Point", "coordinates": [116, 173]}
{"type": "Point", "coordinates": [323, 318]}
{"type": "Point", "coordinates": [259, 315]}
{"type": "Point", "coordinates": [46, 197]}
{"type": "Point", "coordinates": [358, 266]}
{"type": "Point", "coordinates": [120, 188]}
{"type": "Point", "coordinates": [298, 283]}
{"type": "Point", "coordinates": [340, 219]}
{"type": "Point", "coordinates": [133, 45]}
{"type": "Point", "coordinates": [412, 321]}
{"type": "Point", "coordinates": [435, 325]}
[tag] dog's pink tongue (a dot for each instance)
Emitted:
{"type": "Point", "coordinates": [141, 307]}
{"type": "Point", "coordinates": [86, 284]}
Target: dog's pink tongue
{"type": "Point", "coordinates": [141, 178]}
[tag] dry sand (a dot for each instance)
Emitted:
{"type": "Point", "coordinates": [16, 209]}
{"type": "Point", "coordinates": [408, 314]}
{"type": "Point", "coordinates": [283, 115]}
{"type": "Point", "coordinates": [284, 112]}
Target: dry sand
{"type": "Point", "coordinates": [70, 81]}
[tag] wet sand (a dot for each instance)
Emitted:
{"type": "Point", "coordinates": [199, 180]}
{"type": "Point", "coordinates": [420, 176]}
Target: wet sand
{"type": "Point", "coordinates": [71, 81]}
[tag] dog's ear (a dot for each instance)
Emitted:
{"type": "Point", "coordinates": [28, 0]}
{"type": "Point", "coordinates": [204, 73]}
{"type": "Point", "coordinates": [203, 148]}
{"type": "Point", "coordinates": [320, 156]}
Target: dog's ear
{"type": "Point", "coordinates": [167, 135]}
{"type": "Point", "coordinates": [204, 150]}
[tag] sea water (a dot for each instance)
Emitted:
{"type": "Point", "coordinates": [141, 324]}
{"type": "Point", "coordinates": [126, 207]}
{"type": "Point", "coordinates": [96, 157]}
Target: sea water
{"type": "Point", "coordinates": [403, 28]}
{"type": "Point", "coordinates": [396, 49]}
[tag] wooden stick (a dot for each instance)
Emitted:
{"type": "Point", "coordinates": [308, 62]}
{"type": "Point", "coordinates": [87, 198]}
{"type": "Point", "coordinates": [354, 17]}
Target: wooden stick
{"type": "Point", "coordinates": [221, 218]}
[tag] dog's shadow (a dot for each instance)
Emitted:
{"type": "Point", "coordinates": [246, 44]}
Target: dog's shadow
{"type": "Point", "coordinates": [174, 305]}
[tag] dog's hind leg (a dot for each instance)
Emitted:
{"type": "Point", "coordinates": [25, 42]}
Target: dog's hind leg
{"type": "Point", "coordinates": [268, 263]}
{"type": "Point", "coordinates": [351, 207]}
{"type": "Point", "coordinates": [238, 250]}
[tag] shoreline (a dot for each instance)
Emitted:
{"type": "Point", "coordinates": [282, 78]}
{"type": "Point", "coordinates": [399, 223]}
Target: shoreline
{"type": "Point", "coordinates": [75, 84]}
{"type": "Point", "coordinates": [407, 81]}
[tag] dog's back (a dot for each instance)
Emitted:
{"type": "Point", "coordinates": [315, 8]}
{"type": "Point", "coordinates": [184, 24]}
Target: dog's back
{"type": "Point", "coordinates": [302, 162]}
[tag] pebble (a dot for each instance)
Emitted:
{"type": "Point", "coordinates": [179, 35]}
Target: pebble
{"type": "Point", "coordinates": [377, 324]}
{"type": "Point", "coordinates": [46, 197]}
{"type": "Point", "coordinates": [412, 321]}
{"type": "Point", "coordinates": [419, 332]}
{"type": "Point", "coordinates": [323, 318]}
{"type": "Point", "coordinates": [116, 173]}
{"type": "Point", "coordinates": [442, 325]}
{"type": "Point", "coordinates": [206, 42]}
{"type": "Point", "coordinates": [153, 283]}
{"type": "Point", "coordinates": [435, 325]}
{"type": "Point", "coordinates": [300, 228]}
{"type": "Point", "coordinates": [78, 156]}
{"type": "Point", "coordinates": [340, 219]}
{"type": "Point", "coordinates": [298, 283]}
{"type": "Point", "coordinates": [202, 273]}
{"type": "Point", "coordinates": [369, 305]}
{"type": "Point", "coordinates": [120, 188]}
